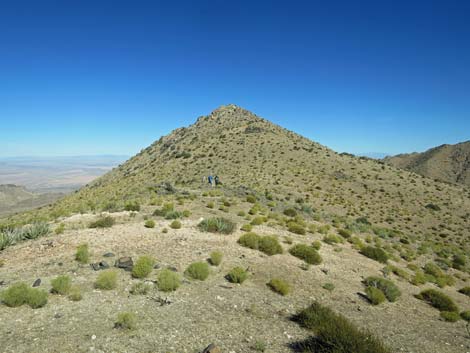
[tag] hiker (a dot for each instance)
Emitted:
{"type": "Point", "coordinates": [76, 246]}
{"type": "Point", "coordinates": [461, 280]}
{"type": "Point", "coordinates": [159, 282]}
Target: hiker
{"type": "Point", "coordinates": [209, 178]}
{"type": "Point", "coordinates": [217, 180]}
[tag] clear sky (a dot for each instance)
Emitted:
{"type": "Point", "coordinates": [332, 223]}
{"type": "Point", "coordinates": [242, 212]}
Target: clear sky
{"type": "Point", "coordinates": [110, 77]}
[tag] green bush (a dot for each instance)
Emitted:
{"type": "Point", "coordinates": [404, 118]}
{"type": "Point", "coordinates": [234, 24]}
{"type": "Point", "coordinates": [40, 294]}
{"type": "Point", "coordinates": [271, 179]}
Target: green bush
{"type": "Point", "coordinates": [332, 239]}
{"type": "Point", "coordinates": [465, 291]}
{"type": "Point", "coordinates": [269, 245]}
{"type": "Point", "coordinates": [103, 222]}
{"type": "Point", "coordinates": [82, 255]}
{"type": "Point", "coordinates": [306, 253]}
{"type": "Point", "coordinates": [61, 285]}
{"type": "Point", "coordinates": [168, 280]}
{"type": "Point", "coordinates": [140, 288]}
{"type": "Point", "coordinates": [438, 300]}
{"type": "Point", "coordinates": [450, 316]}
{"type": "Point", "coordinates": [150, 223]}
{"type": "Point", "coordinates": [168, 207]}
{"type": "Point", "coordinates": [374, 253]}
{"type": "Point", "coordinates": [35, 230]}
{"type": "Point", "coordinates": [296, 228]}
{"type": "Point", "coordinates": [375, 295]}
{"type": "Point", "coordinates": [60, 229]}
{"type": "Point", "coordinates": [389, 289]}
{"type": "Point", "coordinates": [198, 270]}
{"type": "Point", "coordinates": [36, 298]}
{"type": "Point", "coordinates": [250, 240]}
{"type": "Point", "coordinates": [279, 286]}
{"type": "Point", "coordinates": [132, 206]}
{"type": "Point", "coordinates": [173, 215]}
{"type": "Point", "coordinates": [217, 225]}
{"type": "Point", "coordinates": [20, 293]}
{"type": "Point", "coordinates": [290, 212]}
{"type": "Point", "coordinates": [419, 278]}
{"type": "Point", "coordinates": [143, 267]}
{"type": "Point", "coordinates": [175, 224]}
{"type": "Point", "coordinates": [251, 198]}
{"type": "Point", "coordinates": [246, 227]}
{"type": "Point", "coordinates": [345, 233]}
{"type": "Point", "coordinates": [237, 275]}
{"type": "Point", "coordinates": [335, 334]}
{"type": "Point", "coordinates": [216, 258]}
{"type": "Point", "coordinates": [106, 280]}
{"type": "Point", "coordinates": [316, 244]}
{"type": "Point", "coordinates": [465, 315]}
{"type": "Point", "coordinates": [210, 204]}
{"type": "Point", "coordinates": [258, 220]}
{"type": "Point", "coordinates": [459, 261]}
{"type": "Point", "coordinates": [75, 294]}
{"type": "Point", "coordinates": [125, 320]}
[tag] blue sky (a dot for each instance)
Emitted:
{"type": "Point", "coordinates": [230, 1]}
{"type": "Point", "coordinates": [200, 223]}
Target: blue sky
{"type": "Point", "coordinates": [110, 77]}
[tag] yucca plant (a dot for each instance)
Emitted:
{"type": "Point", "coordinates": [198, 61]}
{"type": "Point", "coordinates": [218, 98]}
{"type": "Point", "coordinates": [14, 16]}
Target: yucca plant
{"type": "Point", "coordinates": [35, 230]}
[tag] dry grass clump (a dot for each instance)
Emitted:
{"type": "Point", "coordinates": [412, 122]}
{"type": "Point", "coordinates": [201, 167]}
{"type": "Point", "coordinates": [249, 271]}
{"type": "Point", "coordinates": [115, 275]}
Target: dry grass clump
{"type": "Point", "coordinates": [83, 254]}
{"type": "Point", "coordinates": [237, 275]}
{"type": "Point", "coordinates": [20, 293]}
{"type": "Point", "coordinates": [61, 285]}
{"type": "Point", "coordinates": [103, 222]}
{"type": "Point", "coordinates": [168, 280]}
{"type": "Point", "coordinates": [306, 253]}
{"type": "Point", "coordinates": [198, 270]}
{"type": "Point", "coordinates": [107, 280]}
{"type": "Point", "coordinates": [279, 286]}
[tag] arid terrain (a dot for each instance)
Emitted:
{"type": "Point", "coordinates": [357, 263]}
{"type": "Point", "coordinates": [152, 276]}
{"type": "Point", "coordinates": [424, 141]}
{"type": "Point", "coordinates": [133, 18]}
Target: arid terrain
{"type": "Point", "coordinates": [361, 237]}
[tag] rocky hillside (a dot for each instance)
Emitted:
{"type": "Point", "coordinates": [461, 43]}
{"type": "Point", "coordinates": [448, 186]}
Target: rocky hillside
{"type": "Point", "coordinates": [447, 163]}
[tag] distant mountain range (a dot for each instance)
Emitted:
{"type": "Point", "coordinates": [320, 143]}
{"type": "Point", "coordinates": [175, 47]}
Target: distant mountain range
{"type": "Point", "coordinates": [448, 163]}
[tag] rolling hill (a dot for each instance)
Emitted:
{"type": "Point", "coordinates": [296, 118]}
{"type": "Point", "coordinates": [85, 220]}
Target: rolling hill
{"type": "Point", "coordinates": [447, 163]}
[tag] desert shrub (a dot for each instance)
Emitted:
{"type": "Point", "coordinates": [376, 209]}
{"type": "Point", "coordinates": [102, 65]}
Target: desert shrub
{"type": "Point", "coordinates": [258, 220]}
{"type": "Point", "coordinates": [433, 207]}
{"type": "Point", "coordinates": [459, 261]}
{"type": "Point", "coordinates": [389, 289]}
{"type": "Point", "coordinates": [6, 239]}
{"type": "Point", "coordinates": [106, 280]}
{"type": "Point", "coordinates": [323, 229]}
{"type": "Point", "coordinates": [35, 230]}
{"type": "Point", "coordinates": [132, 206]}
{"type": "Point", "coordinates": [316, 244]}
{"type": "Point", "coordinates": [251, 198]}
{"type": "Point", "coordinates": [60, 229]}
{"type": "Point", "coordinates": [465, 315]}
{"type": "Point", "coordinates": [150, 223]}
{"type": "Point", "coordinates": [450, 316]}
{"type": "Point", "coordinates": [249, 240]}
{"type": "Point", "coordinates": [15, 295]}
{"type": "Point", "coordinates": [186, 213]}
{"type": "Point", "coordinates": [438, 300]}
{"type": "Point", "coordinates": [332, 239]}
{"type": "Point", "coordinates": [374, 253]}
{"type": "Point", "coordinates": [36, 298]}
{"type": "Point", "coordinates": [465, 291]}
{"type": "Point", "coordinates": [397, 271]}
{"type": "Point", "coordinates": [269, 245]}
{"type": "Point", "coordinates": [126, 320]}
{"type": "Point", "coordinates": [173, 215]}
{"type": "Point", "coordinates": [75, 294]}
{"type": "Point", "coordinates": [61, 285]}
{"type": "Point", "coordinates": [140, 288]}
{"type": "Point", "coordinates": [290, 212]}
{"type": "Point", "coordinates": [143, 267]}
{"type": "Point", "coordinates": [82, 255]}
{"type": "Point", "coordinates": [246, 227]}
{"type": "Point", "coordinates": [345, 233]}
{"type": "Point", "coordinates": [164, 230]}
{"type": "Point", "coordinates": [216, 258]}
{"type": "Point", "coordinates": [237, 275]}
{"type": "Point", "coordinates": [175, 224]}
{"type": "Point", "coordinates": [259, 346]}
{"type": "Point", "coordinates": [279, 286]}
{"type": "Point", "coordinates": [20, 293]}
{"type": "Point", "coordinates": [419, 278]}
{"type": "Point", "coordinates": [217, 225]}
{"type": "Point", "coordinates": [375, 295]}
{"type": "Point", "coordinates": [306, 253]}
{"type": "Point", "coordinates": [335, 334]}
{"type": "Point", "coordinates": [432, 269]}
{"type": "Point", "coordinates": [168, 280]}
{"type": "Point", "coordinates": [198, 270]}
{"type": "Point", "coordinates": [103, 222]}
{"type": "Point", "coordinates": [296, 228]}
{"type": "Point", "coordinates": [329, 287]}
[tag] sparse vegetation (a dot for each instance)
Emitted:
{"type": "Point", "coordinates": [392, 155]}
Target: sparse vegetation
{"type": "Point", "coordinates": [217, 225]}
{"type": "Point", "coordinates": [375, 253]}
{"type": "Point", "coordinates": [75, 294]}
{"type": "Point", "coordinates": [375, 295]}
{"type": "Point", "coordinates": [140, 288]}
{"type": "Point", "coordinates": [438, 300]}
{"type": "Point", "coordinates": [143, 267]}
{"type": "Point", "coordinates": [103, 222]}
{"type": "Point", "coordinates": [149, 223]}
{"type": "Point", "coordinates": [20, 293]}
{"type": "Point", "coordinates": [269, 245]}
{"type": "Point", "coordinates": [126, 320]}
{"type": "Point", "coordinates": [61, 285]}
{"type": "Point", "coordinates": [168, 280]}
{"type": "Point", "coordinates": [306, 253]}
{"type": "Point", "coordinates": [216, 258]}
{"type": "Point", "coordinates": [82, 255]}
{"type": "Point", "coordinates": [198, 270]}
{"type": "Point", "coordinates": [107, 280]}
{"type": "Point", "coordinates": [387, 287]}
{"type": "Point", "coordinates": [175, 224]}
{"type": "Point", "coordinates": [279, 286]}
{"type": "Point", "coordinates": [237, 275]}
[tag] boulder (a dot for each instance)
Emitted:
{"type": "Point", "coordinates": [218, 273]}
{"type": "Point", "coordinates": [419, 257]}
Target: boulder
{"type": "Point", "coordinates": [125, 263]}
{"type": "Point", "coordinates": [37, 283]}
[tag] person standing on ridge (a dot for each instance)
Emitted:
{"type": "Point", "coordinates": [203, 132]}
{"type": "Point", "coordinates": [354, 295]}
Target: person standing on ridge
{"type": "Point", "coordinates": [217, 180]}
{"type": "Point", "coordinates": [209, 178]}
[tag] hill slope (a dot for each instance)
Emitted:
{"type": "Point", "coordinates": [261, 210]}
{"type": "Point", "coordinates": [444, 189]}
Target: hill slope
{"type": "Point", "coordinates": [448, 163]}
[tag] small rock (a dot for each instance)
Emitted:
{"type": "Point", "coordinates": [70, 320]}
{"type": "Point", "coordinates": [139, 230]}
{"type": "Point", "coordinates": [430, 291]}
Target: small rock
{"type": "Point", "coordinates": [93, 337]}
{"type": "Point", "coordinates": [60, 264]}
{"type": "Point", "coordinates": [58, 315]}
{"type": "Point", "coordinates": [325, 271]}
{"type": "Point", "coordinates": [212, 348]}
{"type": "Point", "coordinates": [95, 266]}
{"type": "Point", "coordinates": [124, 262]}
{"type": "Point", "coordinates": [37, 283]}
{"type": "Point", "coordinates": [109, 254]}
{"type": "Point", "coordinates": [172, 268]}
{"type": "Point", "coordinates": [156, 266]}
{"type": "Point", "coordinates": [2, 283]}
{"type": "Point", "coordinates": [103, 265]}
